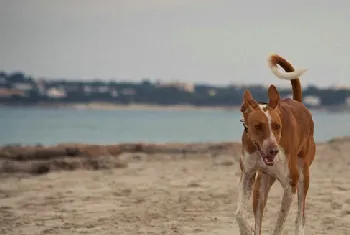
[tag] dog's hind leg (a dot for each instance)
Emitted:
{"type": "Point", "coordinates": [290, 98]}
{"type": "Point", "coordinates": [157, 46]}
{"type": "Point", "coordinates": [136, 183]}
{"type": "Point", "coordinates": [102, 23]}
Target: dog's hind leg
{"type": "Point", "coordinates": [304, 161]}
{"type": "Point", "coordinates": [302, 189]}
{"type": "Point", "coordinates": [262, 186]}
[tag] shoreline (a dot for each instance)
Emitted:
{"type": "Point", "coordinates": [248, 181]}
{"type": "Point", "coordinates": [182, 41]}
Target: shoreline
{"type": "Point", "coordinates": [107, 106]}
{"type": "Point", "coordinates": [110, 106]}
{"type": "Point", "coordinates": [154, 144]}
{"type": "Point", "coordinates": [185, 107]}
{"type": "Point", "coordinates": [17, 160]}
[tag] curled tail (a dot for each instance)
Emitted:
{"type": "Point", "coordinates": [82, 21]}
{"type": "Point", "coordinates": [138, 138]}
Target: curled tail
{"type": "Point", "coordinates": [289, 74]}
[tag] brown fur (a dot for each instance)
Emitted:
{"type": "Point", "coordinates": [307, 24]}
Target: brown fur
{"type": "Point", "coordinates": [295, 135]}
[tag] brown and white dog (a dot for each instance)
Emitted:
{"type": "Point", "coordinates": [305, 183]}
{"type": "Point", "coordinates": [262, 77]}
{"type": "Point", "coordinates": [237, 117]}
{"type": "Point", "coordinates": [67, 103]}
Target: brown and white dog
{"type": "Point", "coordinates": [278, 143]}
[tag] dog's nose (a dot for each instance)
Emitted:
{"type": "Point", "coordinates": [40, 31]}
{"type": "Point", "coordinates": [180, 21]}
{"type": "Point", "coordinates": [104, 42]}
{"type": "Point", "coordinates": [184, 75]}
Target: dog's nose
{"type": "Point", "coordinates": [274, 151]}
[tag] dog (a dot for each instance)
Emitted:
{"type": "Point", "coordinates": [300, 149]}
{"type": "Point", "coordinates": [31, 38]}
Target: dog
{"type": "Point", "coordinates": [277, 144]}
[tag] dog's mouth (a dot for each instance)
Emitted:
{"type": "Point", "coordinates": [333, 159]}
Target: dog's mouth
{"type": "Point", "coordinates": [268, 160]}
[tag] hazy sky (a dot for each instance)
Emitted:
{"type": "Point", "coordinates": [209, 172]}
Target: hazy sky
{"type": "Point", "coordinates": [221, 41]}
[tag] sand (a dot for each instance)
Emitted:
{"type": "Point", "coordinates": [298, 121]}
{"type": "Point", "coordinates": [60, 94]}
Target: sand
{"type": "Point", "coordinates": [167, 193]}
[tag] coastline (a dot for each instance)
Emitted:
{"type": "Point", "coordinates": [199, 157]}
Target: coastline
{"type": "Point", "coordinates": [111, 106]}
{"type": "Point", "coordinates": [108, 106]}
{"type": "Point", "coordinates": [134, 146]}
{"type": "Point", "coordinates": [184, 107]}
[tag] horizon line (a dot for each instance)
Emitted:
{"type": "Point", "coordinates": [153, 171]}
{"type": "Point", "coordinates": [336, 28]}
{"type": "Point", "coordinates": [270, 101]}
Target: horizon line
{"type": "Point", "coordinates": [281, 84]}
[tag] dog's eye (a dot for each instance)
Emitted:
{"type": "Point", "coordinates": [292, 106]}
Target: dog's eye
{"type": "Point", "coordinates": [276, 126]}
{"type": "Point", "coordinates": [258, 126]}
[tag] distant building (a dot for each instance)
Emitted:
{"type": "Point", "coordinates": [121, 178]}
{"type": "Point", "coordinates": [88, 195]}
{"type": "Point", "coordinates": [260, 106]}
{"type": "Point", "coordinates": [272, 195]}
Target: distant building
{"type": "Point", "coordinates": [40, 86]}
{"type": "Point", "coordinates": [87, 89]}
{"type": "Point", "coordinates": [188, 87]}
{"type": "Point", "coordinates": [180, 85]}
{"type": "Point", "coordinates": [5, 92]}
{"type": "Point", "coordinates": [212, 92]}
{"type": "Point", "coordinates": [289, 96]}
{"type": "Point", "coordinates": [339, 87]}
{"type": "Point", "coordinates": [312, 100]}
{"type": "Point", "coordinates": [128, 91]}
{"type": "Point", "coordinates": [56, 92]}
{"type": "Point", "coordinates": [347, 101]}
{"type": "Point", "coordinates": [114, 93]}
{"type": "Point", "coordinates": [103, 89]}
{"type": "Point", "coordinates": [23, 86]}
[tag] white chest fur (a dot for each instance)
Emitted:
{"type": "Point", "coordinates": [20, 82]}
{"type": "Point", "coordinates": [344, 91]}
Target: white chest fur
{"type": "Point", "coordinates": [280, 170]}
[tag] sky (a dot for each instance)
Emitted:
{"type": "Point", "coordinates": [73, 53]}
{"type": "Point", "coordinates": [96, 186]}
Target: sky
{"type": "Point", "coordinates": [206, 41]}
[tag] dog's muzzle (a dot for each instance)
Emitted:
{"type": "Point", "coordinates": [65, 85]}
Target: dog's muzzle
{"type": "Point", "coordinates": [268, 157]}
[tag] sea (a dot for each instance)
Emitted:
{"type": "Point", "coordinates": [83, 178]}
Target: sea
{"type": "Point", "coordinates": [49, 126]}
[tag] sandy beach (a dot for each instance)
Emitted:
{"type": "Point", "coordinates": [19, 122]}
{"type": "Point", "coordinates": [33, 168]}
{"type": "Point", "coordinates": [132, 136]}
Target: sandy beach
{"type": "Point", "coordinates": [154, 189]}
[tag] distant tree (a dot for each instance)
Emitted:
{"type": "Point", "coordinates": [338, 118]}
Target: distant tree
{"type": "Point", "coordinates": [146, 92]}
{"type": "Point", "coordinates": [3, 74]}
{"type": "Point", "coordinates": [146, 82]}
{"type": "Point", "coordinates": [16, 77]}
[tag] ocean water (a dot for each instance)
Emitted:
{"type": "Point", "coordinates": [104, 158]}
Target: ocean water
{"type": "Point", "coordinates": [52, 126]}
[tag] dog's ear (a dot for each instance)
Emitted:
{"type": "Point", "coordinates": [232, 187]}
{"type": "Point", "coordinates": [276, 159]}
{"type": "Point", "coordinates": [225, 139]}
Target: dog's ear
{"type": "Point", "coordinates": [248, 102]}
{"type": "Point", "coordinates": [274, 97]}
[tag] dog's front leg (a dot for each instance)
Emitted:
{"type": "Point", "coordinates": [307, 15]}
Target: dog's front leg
{"type": "Point", "coordinates": [285, 208]}
{"type": "Point", "coordinates": [245, 190]}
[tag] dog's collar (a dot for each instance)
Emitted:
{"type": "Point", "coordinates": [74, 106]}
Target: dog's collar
{"type": "Point", "coordinates": [244, 125]}
{"type": "Point", "coordinates": [264, 103]}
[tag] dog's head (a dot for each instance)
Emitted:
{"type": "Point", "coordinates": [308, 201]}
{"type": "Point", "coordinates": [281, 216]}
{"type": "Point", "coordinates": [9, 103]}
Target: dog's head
{"type": "Point", "coordinates": [264, 123]}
